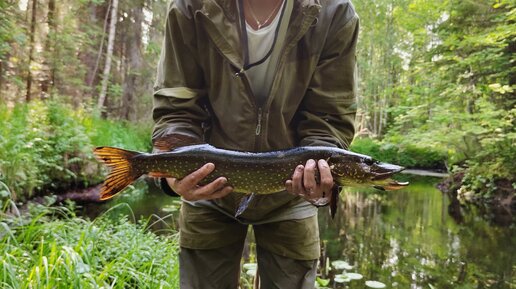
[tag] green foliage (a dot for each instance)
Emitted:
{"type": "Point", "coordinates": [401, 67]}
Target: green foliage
{"type": "Point", "coordinates": [51, 248]}
{"type": "Point", "coordinates": [455, 94]}
{"type": "Point", "coordinates": [5, 27]}
{"type": "Point", "coordinates": [406, 154]}
{"type": "Point", "coordinates": [49, 146]}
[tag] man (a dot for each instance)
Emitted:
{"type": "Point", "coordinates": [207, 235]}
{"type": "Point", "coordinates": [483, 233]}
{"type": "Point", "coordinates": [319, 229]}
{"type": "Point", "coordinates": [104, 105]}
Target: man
{"type": "Point", "coordinates": [255, 75]}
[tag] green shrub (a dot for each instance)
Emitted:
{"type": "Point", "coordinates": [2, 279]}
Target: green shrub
{"type": "Point", "coordinates": [408, 155]}
{"type": "Point", "coordinates": [49, 146]}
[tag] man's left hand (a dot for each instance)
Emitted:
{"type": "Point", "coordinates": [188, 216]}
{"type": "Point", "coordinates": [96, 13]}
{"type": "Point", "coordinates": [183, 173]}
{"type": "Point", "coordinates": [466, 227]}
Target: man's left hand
{"type": "Point", "coordinates": [304, 181]}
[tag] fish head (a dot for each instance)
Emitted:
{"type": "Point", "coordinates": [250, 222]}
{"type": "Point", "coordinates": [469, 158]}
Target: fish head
{"type": "Point", "coordinates": [380, 176]}
{"type": "Point", "coordinates": [359, 170]}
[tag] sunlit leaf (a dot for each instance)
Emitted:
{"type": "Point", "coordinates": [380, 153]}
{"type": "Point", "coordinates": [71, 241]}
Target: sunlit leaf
{"type": "Point", "coordinates": [251, 272]}
{"type": "Point", "coordinates": [322, 282]}
{"type": "Point", "coordinates": [374, 284]}
{"type": "Point", "coordinates": [250, 266]}
{"type": "Point", "coordinates": [354, 276]}
{"type": "Point", "coordinates": [340, 278]}
{"type": "Point", "coordinates": [341, 265]}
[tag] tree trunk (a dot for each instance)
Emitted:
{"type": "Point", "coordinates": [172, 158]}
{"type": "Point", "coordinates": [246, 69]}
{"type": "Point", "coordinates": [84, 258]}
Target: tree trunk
{"type": "Point", "coordinates": [92, 75]}
{"type": "Point", "coordinates": [1, 78]}
{"type": "Point", "coordinates": [31, 49]}
{"type": "Point", "coordinates": [133, 44]}
{"type": "Point", "coordinates": [50, 49]}
{"type": "Point", "coordinates": [109, 55]}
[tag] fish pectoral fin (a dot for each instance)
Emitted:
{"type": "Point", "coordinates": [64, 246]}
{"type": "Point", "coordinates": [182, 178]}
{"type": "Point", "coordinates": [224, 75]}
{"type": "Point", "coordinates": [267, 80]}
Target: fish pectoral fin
{"type": "Point", "coordinates": [159, 175]}
{"type": "Point", "coordinates": [379, 188]}
{"type": "Point", "coordinates": [244, 203]}
{"type": "Point", "coordinates": [335, 192]}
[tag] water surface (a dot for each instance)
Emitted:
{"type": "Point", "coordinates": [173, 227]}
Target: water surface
{"type": "Point", "coordinates": [404, 239]}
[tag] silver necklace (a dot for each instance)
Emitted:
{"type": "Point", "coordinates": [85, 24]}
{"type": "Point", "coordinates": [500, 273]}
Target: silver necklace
{"type": "Point", "coordinates": [258, 22]}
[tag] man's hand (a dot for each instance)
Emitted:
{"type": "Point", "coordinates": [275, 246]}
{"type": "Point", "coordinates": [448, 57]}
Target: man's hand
{"type": "Point", "coordinates": [304, 182]}
{"type": "Point", "coordinates": [189, 188]}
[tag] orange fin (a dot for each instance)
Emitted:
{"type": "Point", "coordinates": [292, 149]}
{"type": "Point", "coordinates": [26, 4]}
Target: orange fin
{"type": "Point", "coordinates": [172, 141]}
{"type": "Point", "coordinates": [122, 172]}
{"type": "Point", "coordinates": [159, 175]}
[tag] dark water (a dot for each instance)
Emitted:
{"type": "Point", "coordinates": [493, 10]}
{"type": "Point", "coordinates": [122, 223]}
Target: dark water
{"type": "Point", "coordinates": [404, 239]}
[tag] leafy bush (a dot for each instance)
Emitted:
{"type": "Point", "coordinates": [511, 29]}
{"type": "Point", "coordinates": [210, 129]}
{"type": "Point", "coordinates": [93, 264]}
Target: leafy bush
{"type": "Point", "coordinates": [407, 155]}
{"type": "Point", "coordinates": [49, 146]}
{"type": "Point", "coordinates": [51, 248]}
{"type": "Point", "coordinates": [483, 143]}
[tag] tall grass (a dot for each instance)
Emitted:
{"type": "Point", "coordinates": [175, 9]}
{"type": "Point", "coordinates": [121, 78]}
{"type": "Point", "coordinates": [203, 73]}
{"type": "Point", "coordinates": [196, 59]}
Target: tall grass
{"type": "Point", "coordinates": [51, 248]}
{"type": "Point", "coordinates": [46, 145]}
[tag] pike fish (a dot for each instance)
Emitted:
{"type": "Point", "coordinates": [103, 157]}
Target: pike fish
{"type": "Point", "coordinates": [247, 172]}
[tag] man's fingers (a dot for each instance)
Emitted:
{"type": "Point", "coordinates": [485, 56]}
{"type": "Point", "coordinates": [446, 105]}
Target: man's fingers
{"type": "Point", "coordinates": [172, 182]}
{"type": "Point", "coordinates": [288, 186]}
{"type": "Point", "coordinates": [220, 193]}
{"type": "Point", "coordinates": [309, 176]}
{"type": "Point", "coordinates": [205, 192]}
{"type": "Point", "coordinates": [194, 178]}
{"type": "Point", "coordinates": [326, 177]}
{"type": "Point", "coordinates": [297, 180]}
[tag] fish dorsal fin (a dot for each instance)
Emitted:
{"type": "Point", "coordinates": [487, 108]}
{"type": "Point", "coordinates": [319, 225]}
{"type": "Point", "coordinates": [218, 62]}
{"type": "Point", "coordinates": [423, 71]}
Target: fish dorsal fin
{"type": "Point", "coordinates": [173, 141]}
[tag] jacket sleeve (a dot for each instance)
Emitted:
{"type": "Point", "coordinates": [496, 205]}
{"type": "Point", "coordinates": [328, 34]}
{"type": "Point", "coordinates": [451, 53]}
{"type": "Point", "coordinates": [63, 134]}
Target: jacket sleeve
{"type": "Point", "coordinates": [327, 113]}
{"type": "Point", "coordinates": [180, 89]}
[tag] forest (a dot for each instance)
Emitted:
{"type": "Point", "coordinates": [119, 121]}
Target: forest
{"type": "Point", "coordinates": [437, 92]}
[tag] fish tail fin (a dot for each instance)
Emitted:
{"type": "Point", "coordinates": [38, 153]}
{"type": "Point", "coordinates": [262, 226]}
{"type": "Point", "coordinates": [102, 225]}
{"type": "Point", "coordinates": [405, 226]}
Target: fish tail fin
{"type": "Point", "coordinates": [122, 171]}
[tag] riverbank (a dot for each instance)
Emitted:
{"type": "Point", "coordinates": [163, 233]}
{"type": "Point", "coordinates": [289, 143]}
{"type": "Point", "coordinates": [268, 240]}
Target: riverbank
{"type": "Point", "coordinates": [46, 147]}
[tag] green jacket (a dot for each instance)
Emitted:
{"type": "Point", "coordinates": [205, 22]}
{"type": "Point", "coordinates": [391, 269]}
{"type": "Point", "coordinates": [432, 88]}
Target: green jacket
{"type": "Point", "coordinates": [200, 93]}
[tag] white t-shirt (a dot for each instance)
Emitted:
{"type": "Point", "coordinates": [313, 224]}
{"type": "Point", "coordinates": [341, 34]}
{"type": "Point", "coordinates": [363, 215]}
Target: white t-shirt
{"type": "Point", "coordinates": [259, 43]}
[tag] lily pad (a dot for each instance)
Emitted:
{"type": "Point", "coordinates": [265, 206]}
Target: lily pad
{"type": "Point", "coordinates": [354, 276]}
{"type": "Point", "coordinates": [374, 284]}
{"type": "Point", "coordinates": [251, 272]}
{"type": "Point", "coordinates": [250, 266]}
{"type": "Point", "coordinates": [341, 265]}
{"type": "Point", "coordinates": [341, 278]}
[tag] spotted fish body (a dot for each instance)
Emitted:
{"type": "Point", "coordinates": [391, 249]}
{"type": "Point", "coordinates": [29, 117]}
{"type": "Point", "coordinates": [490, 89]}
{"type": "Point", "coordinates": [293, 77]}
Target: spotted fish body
{"type": "Point", "coordinates": [246, 172]}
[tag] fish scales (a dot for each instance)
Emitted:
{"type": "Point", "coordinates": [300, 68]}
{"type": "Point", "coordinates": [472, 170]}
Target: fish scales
{"type": "Point", "coordinates": [262, 173]}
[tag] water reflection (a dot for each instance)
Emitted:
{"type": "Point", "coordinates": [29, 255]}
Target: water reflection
{"type": "Point", "coordinates": [405, 239]}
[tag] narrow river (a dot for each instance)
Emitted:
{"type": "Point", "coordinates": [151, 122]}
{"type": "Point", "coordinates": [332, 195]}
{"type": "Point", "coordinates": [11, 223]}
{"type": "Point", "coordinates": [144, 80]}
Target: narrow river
{"type": "Point", "coordinates": [403, 239]}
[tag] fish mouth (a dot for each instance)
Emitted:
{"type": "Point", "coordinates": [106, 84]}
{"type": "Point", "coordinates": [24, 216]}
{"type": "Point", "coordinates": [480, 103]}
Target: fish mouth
{"type": "Point", "coordinates": [382, 177]}
{"type": "Point", "coordinates": [382, 171]}
{"type": "Point", "coordinates": [390, 185]}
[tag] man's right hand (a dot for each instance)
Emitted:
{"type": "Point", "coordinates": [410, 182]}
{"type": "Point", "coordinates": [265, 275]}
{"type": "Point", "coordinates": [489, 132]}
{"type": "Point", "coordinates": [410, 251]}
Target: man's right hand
{"type": "Point", "coordinates": [189, 188]}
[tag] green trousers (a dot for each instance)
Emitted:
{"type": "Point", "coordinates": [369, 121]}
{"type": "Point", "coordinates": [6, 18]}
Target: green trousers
{"type": "Point", "coordinates": [212, 244]}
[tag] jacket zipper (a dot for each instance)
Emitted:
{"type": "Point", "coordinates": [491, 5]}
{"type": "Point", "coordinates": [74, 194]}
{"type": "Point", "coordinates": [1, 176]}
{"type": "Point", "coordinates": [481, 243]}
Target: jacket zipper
{"type": "Point", "coordinates": [239, 74]}
{"type": "Point", "coordinates": [259, 107]}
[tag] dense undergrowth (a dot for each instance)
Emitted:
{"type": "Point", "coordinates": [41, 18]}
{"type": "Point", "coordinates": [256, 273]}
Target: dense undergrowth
{"type": "Point", "coordinates": [51, 248]}
{"type": "Point", "coordinates": [48, 146]}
